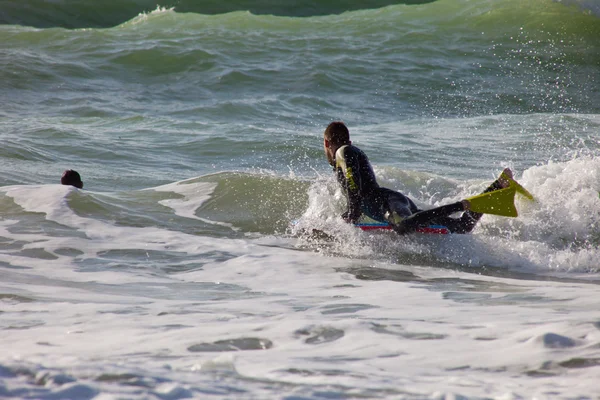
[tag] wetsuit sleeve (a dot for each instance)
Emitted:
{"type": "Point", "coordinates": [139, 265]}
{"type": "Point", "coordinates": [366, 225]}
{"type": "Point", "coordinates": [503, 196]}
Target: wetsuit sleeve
{"type": "Point", "coordinates": [348, 174]}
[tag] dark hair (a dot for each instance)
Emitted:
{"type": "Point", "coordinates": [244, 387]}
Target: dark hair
{"type": "Point", "coordinates": [71, 177]}
{"type": "Point", "coordinates": [337, 133]}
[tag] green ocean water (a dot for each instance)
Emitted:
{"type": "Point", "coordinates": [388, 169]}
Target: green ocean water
{"type": "Point", "coordinates": [178, 94]}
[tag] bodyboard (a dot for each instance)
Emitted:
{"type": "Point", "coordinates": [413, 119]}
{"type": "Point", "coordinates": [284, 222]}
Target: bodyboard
{"type": "Point", "coordinates": [382, 226]}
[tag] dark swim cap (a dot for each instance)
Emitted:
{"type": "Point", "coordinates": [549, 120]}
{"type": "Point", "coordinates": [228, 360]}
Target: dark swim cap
{"type": "Point", "coordinates": [71, 177]}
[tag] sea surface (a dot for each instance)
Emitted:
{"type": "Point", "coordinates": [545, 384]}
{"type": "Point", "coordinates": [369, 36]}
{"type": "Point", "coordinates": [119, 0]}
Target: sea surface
{"type": "Point", "coordinates": [176, 272]}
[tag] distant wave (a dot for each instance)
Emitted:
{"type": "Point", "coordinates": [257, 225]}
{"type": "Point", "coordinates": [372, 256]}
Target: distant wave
{"type": "Point", "coordinates": [81, 14]}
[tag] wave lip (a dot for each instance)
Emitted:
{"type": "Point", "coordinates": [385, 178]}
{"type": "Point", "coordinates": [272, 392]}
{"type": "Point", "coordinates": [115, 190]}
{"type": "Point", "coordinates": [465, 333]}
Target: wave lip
{"type": "Point", "coordinates": [81, 14]}
{"type": "Point", "coordinates": [74, 15]}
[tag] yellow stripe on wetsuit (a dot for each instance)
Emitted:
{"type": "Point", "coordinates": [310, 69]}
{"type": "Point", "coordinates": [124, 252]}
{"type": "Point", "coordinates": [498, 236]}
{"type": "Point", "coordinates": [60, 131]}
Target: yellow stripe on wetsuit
{"type": "Point", "coordinates": [350, 179]}
{"type": "Point", "coordinates": [340, 162]}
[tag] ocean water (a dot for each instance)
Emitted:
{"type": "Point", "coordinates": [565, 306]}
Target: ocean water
{"type": "Point", "coordinates": [197, 129]}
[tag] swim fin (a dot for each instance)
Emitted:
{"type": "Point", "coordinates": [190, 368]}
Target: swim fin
{"type": "Point", "coordinates": [501, 201]}
{"type": "Point", "coordinates": [520, 189]}
{"type": "Point", "coordinates": [498, 202]}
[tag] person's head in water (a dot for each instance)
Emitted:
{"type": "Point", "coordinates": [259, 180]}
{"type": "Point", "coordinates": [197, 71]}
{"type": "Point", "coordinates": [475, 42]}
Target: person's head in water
{"type": "Point", "coordinates": [335, 136]}
{"type": "Point", "coordinates": [71, 177]}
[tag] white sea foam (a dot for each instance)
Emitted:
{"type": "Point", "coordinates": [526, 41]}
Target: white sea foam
{"type": "Point", "coordinates": [347, 318]}
{"type": "Point", "coordinates": [453, 331]}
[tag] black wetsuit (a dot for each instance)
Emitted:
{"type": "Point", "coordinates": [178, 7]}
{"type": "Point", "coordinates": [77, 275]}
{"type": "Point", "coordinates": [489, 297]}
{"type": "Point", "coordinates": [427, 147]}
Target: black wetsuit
{"type": "Point", "coordinates": [365, 196]}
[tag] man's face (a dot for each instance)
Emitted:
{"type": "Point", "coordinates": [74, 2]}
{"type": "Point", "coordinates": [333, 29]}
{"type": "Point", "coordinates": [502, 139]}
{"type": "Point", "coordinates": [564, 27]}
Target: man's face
{"type": "Point", "coordinates": [329, 152]}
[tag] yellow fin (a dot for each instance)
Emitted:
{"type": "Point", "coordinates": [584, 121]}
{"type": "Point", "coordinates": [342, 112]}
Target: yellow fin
{"type": "Point", "coordinates": [520, 189]}
{"type": "Point", "coordinates": [499, 202]}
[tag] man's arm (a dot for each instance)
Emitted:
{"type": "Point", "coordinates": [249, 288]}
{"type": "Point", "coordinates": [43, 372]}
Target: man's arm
{"type": "Point", "coordinates": [348, 173]}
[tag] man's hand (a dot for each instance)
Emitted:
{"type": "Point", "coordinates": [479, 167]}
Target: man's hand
{"type": "Point", "coordinates": [345, 217]}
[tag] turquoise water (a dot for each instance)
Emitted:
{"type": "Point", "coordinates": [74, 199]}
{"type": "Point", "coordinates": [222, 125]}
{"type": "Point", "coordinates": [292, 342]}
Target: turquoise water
{"type": "Point", "coordinates": [197, 129]}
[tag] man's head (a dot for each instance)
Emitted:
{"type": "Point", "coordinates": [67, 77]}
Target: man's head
{"type": "Point", "coordinates": [335, 136]}
{"type": "Point", "coordinates": [71, 177]}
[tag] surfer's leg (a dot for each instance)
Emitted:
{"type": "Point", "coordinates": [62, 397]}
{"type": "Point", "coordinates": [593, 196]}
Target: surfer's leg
{"type": "Point", "coordinates": [404, 216]}
{"type": "Point", "coordinates": [467, 221]}
{"type": "Point", "coordinates": [465, 224]}
{"type": "Point", "coordinates": [441, 215]}
{"type": "Point", "coordinates": [425, 218]}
